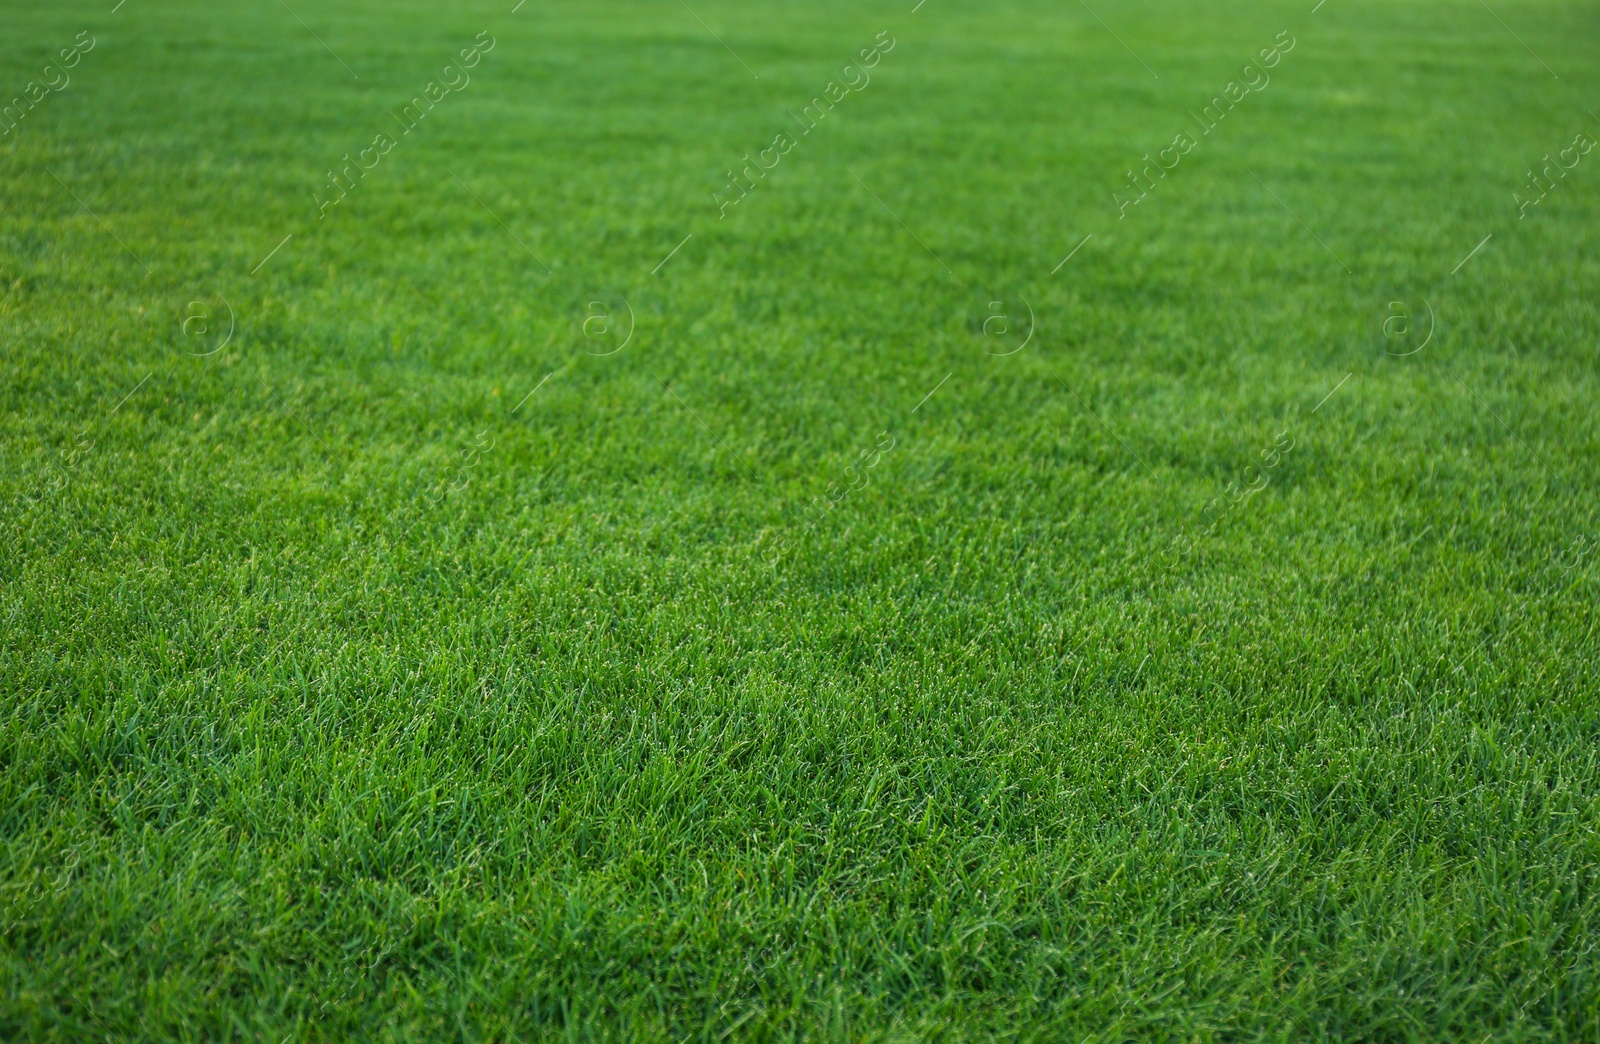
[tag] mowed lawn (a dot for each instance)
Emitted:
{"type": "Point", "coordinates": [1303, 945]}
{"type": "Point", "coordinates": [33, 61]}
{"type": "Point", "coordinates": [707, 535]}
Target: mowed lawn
{"type": "Point", "coordinates": [562, 580]}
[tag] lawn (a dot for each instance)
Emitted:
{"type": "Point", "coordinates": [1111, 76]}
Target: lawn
{"type": "Point", "coordinates": [623, 520]}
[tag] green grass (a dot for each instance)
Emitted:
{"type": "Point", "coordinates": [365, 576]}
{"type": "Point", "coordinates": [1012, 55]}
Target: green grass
{"type": "Point", "coordinates": [349, 690]}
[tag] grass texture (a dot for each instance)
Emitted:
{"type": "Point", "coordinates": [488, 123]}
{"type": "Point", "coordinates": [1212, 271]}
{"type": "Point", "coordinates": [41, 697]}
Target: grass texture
{"type": "Point", "coordinates": [560, 581]}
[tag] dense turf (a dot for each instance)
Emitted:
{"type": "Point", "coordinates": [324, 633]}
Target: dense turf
{"type": "Point", "coordinates": [416, 664]}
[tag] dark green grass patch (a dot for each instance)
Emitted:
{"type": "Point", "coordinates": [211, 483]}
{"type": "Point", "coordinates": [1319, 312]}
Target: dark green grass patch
{"type": "Point", "coordinates": [532, 600]}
